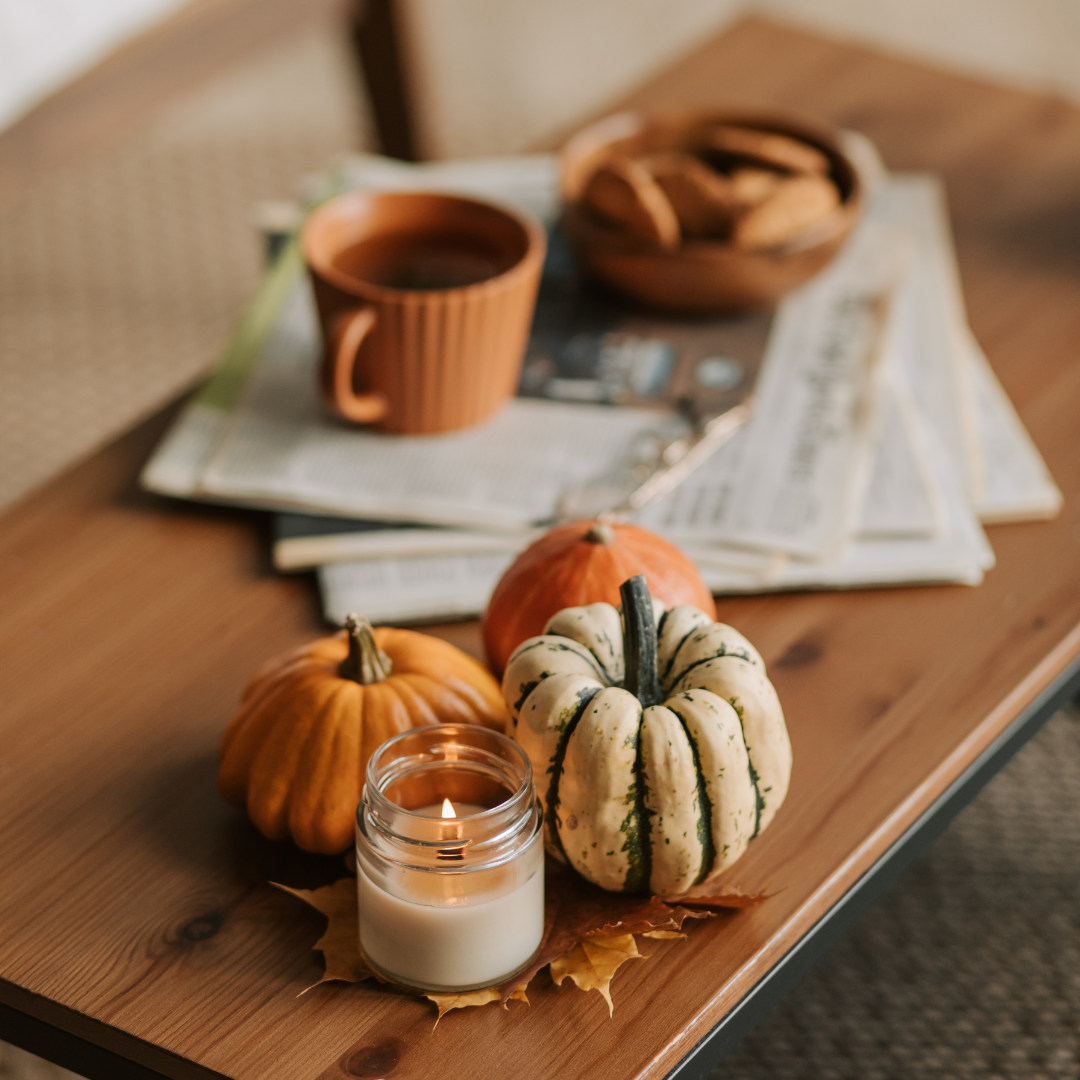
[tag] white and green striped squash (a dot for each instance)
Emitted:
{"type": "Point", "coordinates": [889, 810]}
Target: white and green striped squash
{"type": "Point", "coordinates": [657, 742]}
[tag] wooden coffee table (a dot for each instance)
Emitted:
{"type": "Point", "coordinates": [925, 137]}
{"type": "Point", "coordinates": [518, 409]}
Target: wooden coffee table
{"type": "Point", "coordinates": [138, 936]}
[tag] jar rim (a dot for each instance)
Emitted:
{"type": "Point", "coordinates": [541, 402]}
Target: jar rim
{"type": "Point", "coordinates": [444, 733]}
{"type": "Point", "coordinates": [411, 835]}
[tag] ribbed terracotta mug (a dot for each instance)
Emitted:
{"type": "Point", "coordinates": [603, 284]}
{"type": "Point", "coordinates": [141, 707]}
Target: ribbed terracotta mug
{"type": "Point", "coordinates": [425, 303]}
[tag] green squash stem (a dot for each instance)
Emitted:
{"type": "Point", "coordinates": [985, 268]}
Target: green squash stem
{"type": "Point", "coordinates": [639, 642]}
{"type": "Point", "coordinates": [366, 662]}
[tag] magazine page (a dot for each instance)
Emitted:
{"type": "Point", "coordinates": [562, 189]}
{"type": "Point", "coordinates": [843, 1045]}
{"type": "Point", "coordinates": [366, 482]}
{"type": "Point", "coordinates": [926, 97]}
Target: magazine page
{"type": "Point", "coordinates": [901, 499]}
{"type": "Point", "coordinates": [427, 588]}
{"type": "Point", "coordinates": [1018, 484]}
{"type": "Point", "coordinates": [935, 318]}
{"type": "Point", "coordinates": [306, 552]}
{"type": "Point", "coordinates": [792, 481]}
{"type": "Point", "coordinates": [956, 550]}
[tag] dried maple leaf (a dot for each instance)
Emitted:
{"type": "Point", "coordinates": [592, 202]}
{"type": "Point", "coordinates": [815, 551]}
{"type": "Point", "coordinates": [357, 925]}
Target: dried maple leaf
{"type": "Point", "coordinates": [445, 1002]}
{"type": "Point", "coordinates": [580, 920]}
{"type": "Point", "coordinates": [592, 963]}
{"type": "Point", "coordinates": [340, 944]}
{"type": "Point", "coordinates": [576, 909]}
{"type": "Point", "coordinates": [725, 900]}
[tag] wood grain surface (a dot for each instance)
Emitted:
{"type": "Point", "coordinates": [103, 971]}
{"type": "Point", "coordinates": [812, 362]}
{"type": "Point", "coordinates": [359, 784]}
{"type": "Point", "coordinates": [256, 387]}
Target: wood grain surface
{"type": "Point", "coordinates": [134, 906]}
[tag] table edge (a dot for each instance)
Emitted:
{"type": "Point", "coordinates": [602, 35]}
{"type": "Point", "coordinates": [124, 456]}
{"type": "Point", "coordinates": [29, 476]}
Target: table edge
{"type": "Point", "coordinates": [92, 1048]}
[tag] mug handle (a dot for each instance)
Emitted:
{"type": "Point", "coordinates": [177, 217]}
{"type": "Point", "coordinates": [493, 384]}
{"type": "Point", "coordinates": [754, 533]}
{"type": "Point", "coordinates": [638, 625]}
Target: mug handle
{"type": "Point", "coordinates": [347, 334]}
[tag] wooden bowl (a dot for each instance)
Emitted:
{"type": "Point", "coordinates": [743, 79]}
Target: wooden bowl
{"type": "Point", "coordinates": [698, 275]}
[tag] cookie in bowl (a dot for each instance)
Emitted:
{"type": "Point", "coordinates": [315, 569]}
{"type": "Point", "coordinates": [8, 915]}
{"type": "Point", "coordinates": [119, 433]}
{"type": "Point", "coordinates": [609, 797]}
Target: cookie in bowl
{"type": "Point", "coordinates": [707, 211]}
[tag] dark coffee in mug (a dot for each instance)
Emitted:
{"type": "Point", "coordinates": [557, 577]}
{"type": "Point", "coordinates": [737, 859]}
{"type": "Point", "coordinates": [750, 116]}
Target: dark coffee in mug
{"type": "Point", "coordinates": [407, 261]}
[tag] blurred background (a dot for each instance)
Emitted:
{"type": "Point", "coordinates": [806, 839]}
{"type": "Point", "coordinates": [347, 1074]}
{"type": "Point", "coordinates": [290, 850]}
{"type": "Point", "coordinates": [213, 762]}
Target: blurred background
{"type": "Point", "coordinates": [556, 62]}
{"type": "Point", "coordinates": [137, 135]}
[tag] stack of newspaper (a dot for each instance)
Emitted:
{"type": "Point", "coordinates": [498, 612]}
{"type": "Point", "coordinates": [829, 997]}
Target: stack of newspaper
{"type": "Point", "coordinates": [878, 443]}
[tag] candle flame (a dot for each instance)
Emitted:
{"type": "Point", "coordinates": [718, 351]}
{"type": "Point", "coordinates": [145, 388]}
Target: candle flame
{"type": "Point", "coordinates": [448, 808]}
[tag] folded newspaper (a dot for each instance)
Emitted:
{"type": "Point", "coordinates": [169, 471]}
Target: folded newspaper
{"type": "Point", "coordinates": [879, 437]}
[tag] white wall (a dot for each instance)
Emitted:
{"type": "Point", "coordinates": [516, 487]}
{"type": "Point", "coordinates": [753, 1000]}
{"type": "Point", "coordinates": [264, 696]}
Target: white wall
{"type": "Point", "coordinates": [46, 43]}
{"type": "Point", "coordinates": [501, 75]}
{"type": "Point", "coordinates": [1033, 43]}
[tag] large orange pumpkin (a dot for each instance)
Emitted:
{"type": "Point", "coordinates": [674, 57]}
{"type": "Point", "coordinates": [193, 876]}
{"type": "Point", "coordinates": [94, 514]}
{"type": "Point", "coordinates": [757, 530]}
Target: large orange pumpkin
{"type": "Point", "coordinates": [296, 751]}
{"type": "Point", "coordinates": [584, 563]}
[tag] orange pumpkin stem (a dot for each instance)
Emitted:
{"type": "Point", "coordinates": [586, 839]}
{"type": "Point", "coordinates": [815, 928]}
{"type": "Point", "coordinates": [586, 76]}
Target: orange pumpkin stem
{"type": "Point", "coordinates": [366, 662]}
{"type": "Point", "coordinates": [601, 533]}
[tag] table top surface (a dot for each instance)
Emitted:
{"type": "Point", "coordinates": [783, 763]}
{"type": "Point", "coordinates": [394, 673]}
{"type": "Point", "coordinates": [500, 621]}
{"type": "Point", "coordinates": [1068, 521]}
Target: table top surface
{"type": "Point", "coordinates": [135, 910]}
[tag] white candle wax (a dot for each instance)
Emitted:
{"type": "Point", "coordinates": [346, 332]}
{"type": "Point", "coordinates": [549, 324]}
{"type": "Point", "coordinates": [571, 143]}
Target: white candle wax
{"type": "Point", "coordinates": [451, 946]}
{"type": "Point", "coordinates": [454, 904]}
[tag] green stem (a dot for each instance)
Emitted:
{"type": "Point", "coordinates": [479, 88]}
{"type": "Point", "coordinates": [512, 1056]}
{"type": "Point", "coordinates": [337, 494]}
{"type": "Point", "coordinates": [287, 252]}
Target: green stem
{"type": "Point", "coordinates": [366, 662]}
{"type": "Point", "coordinates": [639, 642]}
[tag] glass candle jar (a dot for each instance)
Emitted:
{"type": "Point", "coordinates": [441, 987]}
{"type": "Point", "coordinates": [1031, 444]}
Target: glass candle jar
{"type": "Point", "coordinates": [450, 859]}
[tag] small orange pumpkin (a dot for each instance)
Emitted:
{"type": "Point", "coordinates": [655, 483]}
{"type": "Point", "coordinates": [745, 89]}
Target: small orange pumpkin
{"type": "Point", "coordinates": [296, 751]}
{"type": "Point", "coordinates": [584, 563]}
